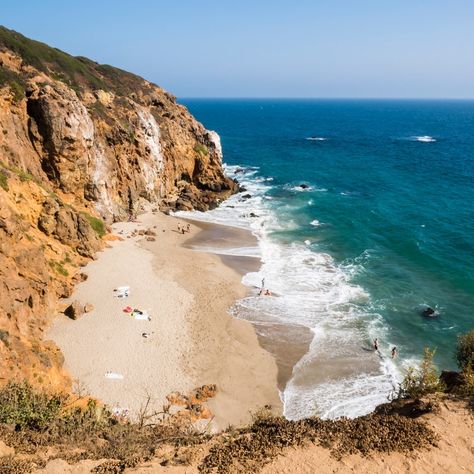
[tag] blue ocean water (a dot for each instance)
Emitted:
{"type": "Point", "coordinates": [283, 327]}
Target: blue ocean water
{"type": "Point", "coordinates": [383, 225]}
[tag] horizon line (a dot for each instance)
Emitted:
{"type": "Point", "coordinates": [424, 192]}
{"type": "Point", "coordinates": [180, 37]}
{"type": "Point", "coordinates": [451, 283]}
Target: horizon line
{"type": "Point", "coordinates": [324, 98]}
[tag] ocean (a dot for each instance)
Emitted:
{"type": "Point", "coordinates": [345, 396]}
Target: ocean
{"type": "Point", "coordinates": [364, 213]}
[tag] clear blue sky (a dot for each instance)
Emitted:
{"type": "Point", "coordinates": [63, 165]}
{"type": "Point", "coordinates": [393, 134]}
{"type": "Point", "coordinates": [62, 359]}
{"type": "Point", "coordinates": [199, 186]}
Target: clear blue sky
{"type": "Point", "coordinates": [268, 48]}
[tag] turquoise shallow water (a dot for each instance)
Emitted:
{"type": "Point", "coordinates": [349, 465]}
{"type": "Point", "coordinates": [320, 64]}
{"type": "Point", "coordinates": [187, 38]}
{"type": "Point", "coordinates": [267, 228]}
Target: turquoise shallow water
{"type": "Point", "coordinates": [390, 199]}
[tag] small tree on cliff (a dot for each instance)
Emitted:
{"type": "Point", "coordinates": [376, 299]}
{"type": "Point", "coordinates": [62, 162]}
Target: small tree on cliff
{"type": "Point", "coordinates": [421, 380]}
{"type": "Point", "coordinates": [465, 350]}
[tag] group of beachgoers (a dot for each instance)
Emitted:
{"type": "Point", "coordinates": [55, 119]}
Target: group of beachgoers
{"type": "Point", "coordinates": [394, 348]}
{"type": "Point", "coordinates": [183, 229]}
{"type": "Point", "coordinates": [264, 291]}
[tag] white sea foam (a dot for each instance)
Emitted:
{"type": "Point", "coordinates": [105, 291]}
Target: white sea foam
{"type": "Point", "coordinates": [304, 188]}
{"type": "Point", "coordinates": [315, 222]}
{"type": "Point", "coordinates": [423, 138]}
{"type": "Point", "coordinates": [340, 375]}
{"type": "Point", "coordinates": [316, 139]}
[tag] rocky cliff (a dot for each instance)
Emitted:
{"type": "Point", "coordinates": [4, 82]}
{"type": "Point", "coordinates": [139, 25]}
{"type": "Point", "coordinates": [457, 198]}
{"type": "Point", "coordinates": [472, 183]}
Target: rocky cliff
{"type": "Point", "coordinates": [81, 145]}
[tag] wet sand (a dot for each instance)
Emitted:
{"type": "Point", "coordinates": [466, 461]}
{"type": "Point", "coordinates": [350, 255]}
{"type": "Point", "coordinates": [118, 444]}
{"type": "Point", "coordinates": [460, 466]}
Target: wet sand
{"type": "Point", "coordinates": [287, 343]}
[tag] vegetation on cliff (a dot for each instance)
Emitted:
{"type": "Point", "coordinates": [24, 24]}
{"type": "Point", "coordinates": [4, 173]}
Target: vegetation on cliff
{"type": "Point", "coordinates": [41, 426]}
{"type": "Point", "coordinates": [77, 72]}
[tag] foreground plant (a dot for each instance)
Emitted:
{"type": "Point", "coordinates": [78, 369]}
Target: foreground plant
{"type": "Point", "coordinates": [421, 380]}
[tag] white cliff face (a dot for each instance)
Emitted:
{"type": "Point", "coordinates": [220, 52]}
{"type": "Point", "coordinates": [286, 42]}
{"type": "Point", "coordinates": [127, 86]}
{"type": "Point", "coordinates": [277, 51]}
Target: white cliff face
{"type": "Point", "coordinates": [69, 119]}
{"type": "Point", "coordinates": [216, 139]}
{"type": "Point", "coordinates": [101, 178]}
{"type": "Point", "coordinates": [151, 135]}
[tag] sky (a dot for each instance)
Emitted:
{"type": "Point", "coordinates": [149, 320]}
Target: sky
{"type": "Point", "coordinates": [268, 48]}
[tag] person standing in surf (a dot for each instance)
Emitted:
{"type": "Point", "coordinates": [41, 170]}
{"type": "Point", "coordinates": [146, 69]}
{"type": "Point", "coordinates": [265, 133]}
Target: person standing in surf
{"type": "Point", "coordinates": [394, 352]}
{"type": "Point", "coordinates": [376, 344]}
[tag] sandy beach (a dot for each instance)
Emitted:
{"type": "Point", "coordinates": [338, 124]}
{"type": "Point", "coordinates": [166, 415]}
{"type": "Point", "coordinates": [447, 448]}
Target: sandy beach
{"type": "Point", "coordinates": [192, 338]}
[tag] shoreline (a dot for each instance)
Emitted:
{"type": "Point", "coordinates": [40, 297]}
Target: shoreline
{"type": "Point", "coordinates": [193, 338]}
{"type": "Point", "coordinates": [288, 343]}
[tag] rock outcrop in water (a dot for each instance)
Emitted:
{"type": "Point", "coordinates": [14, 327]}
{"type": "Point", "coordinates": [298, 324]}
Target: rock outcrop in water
{"type": "Point", "coordinates": [81, 145]}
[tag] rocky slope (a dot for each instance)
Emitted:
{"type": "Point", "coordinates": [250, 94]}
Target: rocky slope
{"type": "Point", "coordinates": [81, 145]}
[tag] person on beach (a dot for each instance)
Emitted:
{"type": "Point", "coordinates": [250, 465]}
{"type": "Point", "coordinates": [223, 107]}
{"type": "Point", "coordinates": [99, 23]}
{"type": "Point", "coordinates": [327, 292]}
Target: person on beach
{"type": "Point", "coordinates": [179, 227]}
{"type": "Point", "coordinates": [394, 352]}
{"type": "Point", "coordinates": [376, 344]}
{"type": "Point", "coordinates": [188, 228]}
{"type": "Point", "coordinates": [263, 283]}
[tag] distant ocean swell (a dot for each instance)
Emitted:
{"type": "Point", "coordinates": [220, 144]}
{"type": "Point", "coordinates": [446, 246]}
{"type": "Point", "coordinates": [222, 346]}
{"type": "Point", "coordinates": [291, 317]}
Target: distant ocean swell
{"type": "Point", "coordinates": [340, 375]}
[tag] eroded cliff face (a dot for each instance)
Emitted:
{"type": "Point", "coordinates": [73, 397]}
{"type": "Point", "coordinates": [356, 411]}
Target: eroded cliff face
{"type": "Point", "coordinates": [81, 145]}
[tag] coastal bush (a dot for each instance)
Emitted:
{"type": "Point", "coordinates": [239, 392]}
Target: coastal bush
{"type": "Point", "coordinates": [81, 429]}
{"type": "Point", "coordinates": [465, 350]}
{"type": "Point", "coordinates": [421, 380]}
{"type": "Point", "coordinates": [48, 420]}
{"type": "Point", "coordinates": [97, 224]}
{"type": "Point", "coordinates": [249, 449]}
{"type": "Point", "coordinates": [18, 91]}
{"type": "Point", "coordinates": [76, 72]}
{"type": "Point", "coordinates": [3, 181]}
{"type": "Point", "coordinates": [200, 148]}
{"type": "Point", "coordinates": [24, 407]}
{"type": "Point", "coordinates": [14, 81]}
{"type": "Point", "coordinates": [58, 267]}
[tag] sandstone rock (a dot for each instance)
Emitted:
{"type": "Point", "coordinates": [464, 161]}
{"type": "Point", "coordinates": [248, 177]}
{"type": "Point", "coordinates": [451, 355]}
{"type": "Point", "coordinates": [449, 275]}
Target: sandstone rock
{"type": "Point", "coordinates": [177, 398]}
{"type": "Point", "coordinates": [151, 239]}
{"type": "Point", "coordinates": [88, 308]}
{"type": "Point", "coordinates": [6, 450]}
{"type": "Point", "coordinates": [150, 232]}
{"type": "Point", "coordinates": [183, 205]}
{"type": "Point", "coordinates": [74, 310]}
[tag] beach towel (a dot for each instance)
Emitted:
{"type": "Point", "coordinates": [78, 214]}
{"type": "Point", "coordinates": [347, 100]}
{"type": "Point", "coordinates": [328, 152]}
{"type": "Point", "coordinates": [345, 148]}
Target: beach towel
{"type": "Point", "coordinates": [141, 316]}
{"type": "Point", "coordinates": [121, 295]}
{"type": "Point", "coordinates": [127, 309]}
{"type": "Point", "coordinates": [113, 375]}
{"type": "Point", "coordinates": [121, 291]}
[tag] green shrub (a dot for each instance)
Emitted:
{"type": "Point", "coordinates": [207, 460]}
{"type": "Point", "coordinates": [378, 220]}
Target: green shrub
{"type": "Point", "coordinates": [421, 380]}
{"type": "Point", "coordinates": [3, 181]}
{"type": "Point", "coordinates": [200, 148]}
{"type": "Point", "coordinates": [97, 224]}
{"type": "Point", "coordinates": [58, 267]}
{"type": "Point", "coordinates": [14, 81]}
{"type": "Point", "coordinates": [24, 407]}
{"type": "Point", "coordinates": [76, 72]}
{"type": "Point", "coordinates": [465, 350]}
{"type": "Point", "coordinates": [24, 175]}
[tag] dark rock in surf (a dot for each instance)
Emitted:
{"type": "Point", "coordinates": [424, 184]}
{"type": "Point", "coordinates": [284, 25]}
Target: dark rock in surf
{"type": "Point", "coordinates": [428, 312]}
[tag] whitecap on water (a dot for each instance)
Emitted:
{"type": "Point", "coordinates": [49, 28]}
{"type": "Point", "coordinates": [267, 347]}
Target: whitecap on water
{"type": "Point", "coordinates": [423, 138]}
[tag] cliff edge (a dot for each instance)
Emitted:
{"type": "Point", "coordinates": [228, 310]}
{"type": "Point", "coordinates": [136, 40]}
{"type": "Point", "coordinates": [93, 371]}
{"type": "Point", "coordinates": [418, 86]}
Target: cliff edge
{"type": "Point", "coordinates": [81, 145]}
